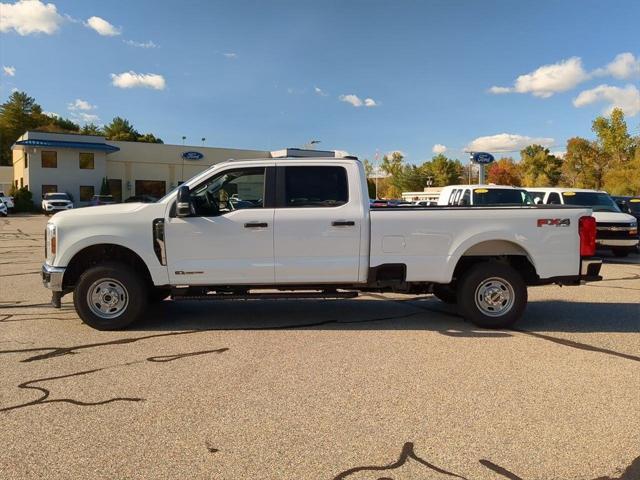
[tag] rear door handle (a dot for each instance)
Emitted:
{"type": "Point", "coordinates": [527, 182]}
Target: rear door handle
{"type": "Point", "coordinates": [343, 223]}
{"type": "Point", "coordinates": [256, 225]}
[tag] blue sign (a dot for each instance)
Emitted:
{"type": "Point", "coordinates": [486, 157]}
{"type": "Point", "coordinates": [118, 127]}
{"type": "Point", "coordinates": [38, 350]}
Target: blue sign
{"type": "Point", "coordinates": [192, 156]}
{"type": "Point", "coordinates": [483, 158]}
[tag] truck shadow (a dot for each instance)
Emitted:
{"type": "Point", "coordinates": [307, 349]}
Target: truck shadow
{"type": "Point", "coordinates": [409, 313]}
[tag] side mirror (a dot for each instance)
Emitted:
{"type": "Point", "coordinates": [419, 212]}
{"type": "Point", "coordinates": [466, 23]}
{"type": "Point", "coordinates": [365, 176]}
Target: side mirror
{"type": "Point", "coordinates": [537, 200]}
{"type": "Point", "coordinates": [183, 204]}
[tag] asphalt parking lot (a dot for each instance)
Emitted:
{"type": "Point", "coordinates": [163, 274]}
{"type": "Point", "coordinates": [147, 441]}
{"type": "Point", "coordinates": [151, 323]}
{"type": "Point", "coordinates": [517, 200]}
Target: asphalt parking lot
{"type": "Point", "coordinates": [379, 387]}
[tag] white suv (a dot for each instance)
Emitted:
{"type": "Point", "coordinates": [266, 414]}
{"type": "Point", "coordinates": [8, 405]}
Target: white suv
{"type": "Point", "coordinates": [615, 230]}
{"type": "Point", "coordinates": [55, 202]}
{"type": "Point", "coordinates": [7, 200]}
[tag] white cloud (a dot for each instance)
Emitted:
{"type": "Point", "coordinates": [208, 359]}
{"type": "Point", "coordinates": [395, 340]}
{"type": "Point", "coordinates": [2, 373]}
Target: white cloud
{"type": "Point", "coordinates": [625, 65]}
{"type": "Point", "coordinates": [29, 16]}
{"type": "Point", "coordinates": [103, 27]}
{"type": "Point", "coordinates": [627, 98]}
{"type": "Point", "coordinates": [79, 104]}
{"type": "Point", "coordinates": [52, 114]}
{"type": "Point", "coordinates": [506, 142]}
{"type": "Point", "coordinates": [439, 148]}
{"type": "Point", "coordinates": [86, 117]}
{"type": "Point", "coordinates": [231, 55]}
{"type": "Point", "coordinates": [9, 71]}
{"type": "Point", "coordinates": [148, 44]}
{"type": "Point", "coordinates": [548, 79]}
{"type": "Point", "coordinates": [132, 79]}
{"type": "Point", "coordinates": [320, 92]}
{"type": "Point", "coordinates": [559, 153]}
{"type": "Point", "coordinates": [357, 101]}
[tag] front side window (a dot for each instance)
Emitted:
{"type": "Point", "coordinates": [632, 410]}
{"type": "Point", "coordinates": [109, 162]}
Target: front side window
{"type": "Point", "coordinates": [49, 159]}
{"type": "Point", "coordinates": [554, 199]}
{"type": "Point", "coordinates": [86, 193]}
{"type": "Point", "coordinates": [86, 161]}
{"type": "Point", "coordinates": [315, 187]}
{"type": "Point", "coordinates": [231, 190]}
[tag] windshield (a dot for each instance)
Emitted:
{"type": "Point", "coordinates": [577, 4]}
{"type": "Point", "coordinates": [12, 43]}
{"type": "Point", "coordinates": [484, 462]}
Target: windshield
{"type": "Point", "coordinates": [501, 196]}
{"type": "Point", "coordinates": [56, 196]}
{"type": "Point", "coordinates": [600, 202]}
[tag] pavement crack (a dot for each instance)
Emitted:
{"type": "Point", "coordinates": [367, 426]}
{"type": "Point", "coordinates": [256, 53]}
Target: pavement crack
{"type": "Point", "coordinates": [46, 393]}
{"type": "Point", "coordinates": [171, 358]}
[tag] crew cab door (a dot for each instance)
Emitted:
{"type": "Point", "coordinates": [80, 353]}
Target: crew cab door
{"type": "Point", "coordinates": [318, 221]}
{"type": "Point", "coordinates": [229, 238]}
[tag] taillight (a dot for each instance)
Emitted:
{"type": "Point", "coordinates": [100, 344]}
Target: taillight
{"type": "Point", "coordinates": [587, 231]}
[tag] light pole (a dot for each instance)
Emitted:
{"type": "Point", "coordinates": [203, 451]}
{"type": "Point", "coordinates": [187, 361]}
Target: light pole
{"type": "Point", "coordinates": [183, 139]}
{"type": "Point", "coordinates": [203, 139]}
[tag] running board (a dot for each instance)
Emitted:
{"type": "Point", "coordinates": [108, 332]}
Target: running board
{"type": "Point", "coordinates": [177, 295]}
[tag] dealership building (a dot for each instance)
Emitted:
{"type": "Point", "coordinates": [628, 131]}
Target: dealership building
{"type": "Point", "coordinates": [77, 164]}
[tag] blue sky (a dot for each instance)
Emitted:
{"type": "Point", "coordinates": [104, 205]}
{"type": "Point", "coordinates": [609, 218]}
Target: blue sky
{"type": "Point", "coordinates": [244, 74]}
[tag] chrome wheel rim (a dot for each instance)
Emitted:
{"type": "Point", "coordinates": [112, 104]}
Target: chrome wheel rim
{"type": "Point", "coordinates": [494, 297]}
{"type": "Point", "coordinates": [107, 298]}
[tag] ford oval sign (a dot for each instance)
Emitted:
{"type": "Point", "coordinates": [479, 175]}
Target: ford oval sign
{"type": "Point", "coordinates": [192, 156]}
{"type": "Point", "coordinates": [483, 158]}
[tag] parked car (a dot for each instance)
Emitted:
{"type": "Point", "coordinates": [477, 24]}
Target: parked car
{"type": "Point", "coordinates": [425, 203]}
{"type": "Point", "coordinates": [7, 200]}
{"type": "Point", "coordinates": [378, 203]}
{"type": "Point", "coordinates": [55, 202]}
{"type": "Point", "coordinates": [483, 195]}
{"type": "Point", "coordinates": [616, 230]}
{"type": "Point", "coordinates": [310, 233]}
{"type": "Point", "coordinates": [141, 199]}
{"type": "Point", "coordinates": [4, 211]}
{"type": "Point", "coordinates": [101, 200]}
{"type": "Point", "coordinates": [630, 205]}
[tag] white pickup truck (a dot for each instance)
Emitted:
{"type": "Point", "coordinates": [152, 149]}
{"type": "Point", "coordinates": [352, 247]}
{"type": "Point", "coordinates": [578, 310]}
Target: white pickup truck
{"type": "Point", "coordinates": [303, 228]}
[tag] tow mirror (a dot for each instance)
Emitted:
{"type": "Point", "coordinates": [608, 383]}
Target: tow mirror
{"type": "Point", "coordinates": [183, 205]}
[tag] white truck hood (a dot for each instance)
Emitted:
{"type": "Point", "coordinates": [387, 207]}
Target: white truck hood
{"type": "Point", "coordinates": [613, 217]}
{"type": "Point", "coordinates": [97, 211]}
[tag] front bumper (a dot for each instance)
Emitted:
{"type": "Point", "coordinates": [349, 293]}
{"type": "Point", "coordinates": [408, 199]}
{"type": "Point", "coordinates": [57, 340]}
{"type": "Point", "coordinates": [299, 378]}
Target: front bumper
{"type": "Point", "coordinates": [52, 277]}
{"type": "Point", "coordinates": [610, 242]}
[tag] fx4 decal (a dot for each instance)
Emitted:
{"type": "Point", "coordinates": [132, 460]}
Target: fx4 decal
{"type": "Point", "coordinates": [554, 222]}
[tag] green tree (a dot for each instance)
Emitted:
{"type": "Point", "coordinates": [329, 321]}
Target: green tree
{"type": "Point", "coordinates": [368, 167]}
{"type": "Point", "coordinates": [121, 129]}
{"type": "Point", "coordinates": [91, 129]}
{"type": "Point", "coordinates": [149, 138]}
{"type": "Point", "coordinates": [539, 167]}
{"type": "Point", "coordinates": [17, 115]}
{"type": "Point", "coordinates": [443, 170]}
{"type": "Point", "coordinates": [580, 166]}
{"type": "Point", "coordinates": [613, 136]}
{"type": "Point", "coordinates": [504, 172]}
{"type": "Point", "coordinates": [392, 165]}
{"type": "Point", "coordinates": [411, 178]}
{"type": "Point", "coordinates": [104, 188]}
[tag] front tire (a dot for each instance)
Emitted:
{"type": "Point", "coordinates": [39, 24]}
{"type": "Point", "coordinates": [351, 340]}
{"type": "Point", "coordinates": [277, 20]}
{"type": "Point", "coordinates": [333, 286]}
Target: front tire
{"type": "Point", "coordinates": [110, 296]}
{"type": "Point", "coordinates": [492, 295]}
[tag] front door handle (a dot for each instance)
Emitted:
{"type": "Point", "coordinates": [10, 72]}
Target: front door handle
{"type": "Point", "coordinates": [343, 223]}
{"type": "Point", "coordinates": [256, 225]}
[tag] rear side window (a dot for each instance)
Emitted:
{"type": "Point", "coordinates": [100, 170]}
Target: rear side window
{"type": "Point", "coordinates": [452, 196]}
{"type": "Point", "coordinates": [315, 187]}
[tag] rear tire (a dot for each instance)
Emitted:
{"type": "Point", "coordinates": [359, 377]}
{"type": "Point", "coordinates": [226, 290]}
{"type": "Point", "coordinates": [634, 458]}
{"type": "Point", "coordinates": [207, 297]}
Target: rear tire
{"type": "Point", "coordinates": [110, 296]}
{"type": "Point", "coordinates": [492, 295]}
{"type": "Point", "coordinates": [446, 294]}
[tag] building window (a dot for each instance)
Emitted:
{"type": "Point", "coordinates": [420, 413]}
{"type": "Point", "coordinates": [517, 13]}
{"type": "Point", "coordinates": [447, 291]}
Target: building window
{"type": "Point", "coordinates": [155, 188]}
{"type": "Point", "coordinates": [49, 189]}
{"type": "Point", "coordinates": [86, 192]}
{"type": "Point", "coordinates": [115, 187]}
{"type": "Point", "coordinates": [86, 161]}
{"type": "Point", "coordinates": [49, 159]}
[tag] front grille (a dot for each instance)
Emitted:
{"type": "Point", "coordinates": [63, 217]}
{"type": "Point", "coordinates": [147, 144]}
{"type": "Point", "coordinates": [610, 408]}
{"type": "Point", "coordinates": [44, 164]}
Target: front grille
{"type": "Point", "coordinates": [59, 204]}
{"type": "Point", "coordinates": [614, 231]}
